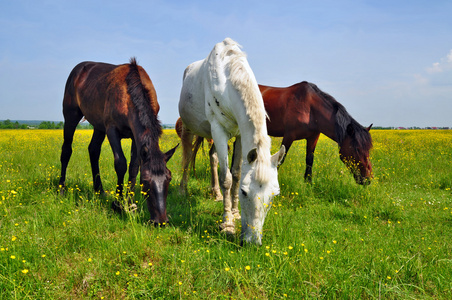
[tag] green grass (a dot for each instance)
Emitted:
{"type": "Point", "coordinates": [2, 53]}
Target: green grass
{"type": "Point", "coordinates": [331, 239]}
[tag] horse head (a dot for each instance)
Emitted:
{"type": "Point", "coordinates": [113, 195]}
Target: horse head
{"type": "Point", "coordinates": [155, 178]}
{"type": "Point", "coordinates": [354, 152]}
{"type": "Point", "coordinates": [256, 196]}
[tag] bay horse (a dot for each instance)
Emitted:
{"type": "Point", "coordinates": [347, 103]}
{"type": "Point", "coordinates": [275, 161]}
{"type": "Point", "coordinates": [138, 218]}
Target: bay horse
{"type": "Point", "coordinates": [119, 101]}
{"type": "Point", "coordinates": [220, 99]}
{"type": "Point", "coordinates": [303, 111]}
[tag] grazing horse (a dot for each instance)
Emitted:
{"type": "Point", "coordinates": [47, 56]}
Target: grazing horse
{"type": "Point", "coordinates": [119, 101]}
{"type": "Point", "coordinates": [220, 99]}
{"type": "Point", "coordinates": [303, 111]}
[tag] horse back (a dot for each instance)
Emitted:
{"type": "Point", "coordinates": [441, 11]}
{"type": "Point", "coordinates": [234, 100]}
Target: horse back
{"type": "Point", "coordinates": [86, 90]}
{"type": "Point", "coordinates": [100, 91]}
{"type": "Point", "coordinates": [192, 102]}
{"type": "Point", "coordinates": [291, 110]}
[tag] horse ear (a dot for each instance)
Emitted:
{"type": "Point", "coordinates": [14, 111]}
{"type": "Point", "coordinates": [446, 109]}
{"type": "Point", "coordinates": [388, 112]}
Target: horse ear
{"type": "Point", "coordinates": [368, 128]}
{"type": "Point", "coordinates": [252, 155]}
{"type": "Point", "coordinates": [350, 130]}
{"type": "Point", "coordinates": [170, 153]}
{"type": "Point", "coordinates": [278, 156]}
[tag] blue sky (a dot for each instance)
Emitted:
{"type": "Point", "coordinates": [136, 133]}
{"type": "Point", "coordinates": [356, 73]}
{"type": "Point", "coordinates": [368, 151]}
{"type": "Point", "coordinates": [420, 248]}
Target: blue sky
{"type": "Point", "coordinates": [388, 62]}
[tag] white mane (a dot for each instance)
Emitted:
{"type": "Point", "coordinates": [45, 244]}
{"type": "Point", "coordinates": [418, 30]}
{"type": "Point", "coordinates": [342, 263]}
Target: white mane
{"type": "Point", "coordinates": [245, 83]}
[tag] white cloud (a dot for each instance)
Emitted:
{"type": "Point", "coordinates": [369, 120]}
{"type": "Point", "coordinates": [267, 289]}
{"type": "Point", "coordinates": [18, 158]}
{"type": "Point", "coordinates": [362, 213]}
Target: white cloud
{"type": "Point", "coordinates": [449, 57]}
{"type": "Point", "coordinates": [435, 68]}
{"type": "Point", "coordinates": [445, 64]}
{"type": "Point", "coordinates": [440, 73]}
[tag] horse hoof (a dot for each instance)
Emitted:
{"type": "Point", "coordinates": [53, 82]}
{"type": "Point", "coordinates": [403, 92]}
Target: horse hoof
{"type": "Point", "coordinates": [228, 228]}
{"type": "Point", "coordinates": [133, 208]}
{"type": "Point", "coordinates": [237, 216]}
{"type": "Point", "coordinates": [116, 206]}
{"type": "Point", "coordinates": [218, 196]}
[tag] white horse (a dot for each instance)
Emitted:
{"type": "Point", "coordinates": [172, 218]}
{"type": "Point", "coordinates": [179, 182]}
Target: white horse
{"type": "Point", "coordinates": [220, 99]}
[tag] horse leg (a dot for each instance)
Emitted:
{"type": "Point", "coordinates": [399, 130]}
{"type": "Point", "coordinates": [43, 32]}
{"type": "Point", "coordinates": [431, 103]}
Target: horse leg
{"type": "Point", "coordinates": [310, 148]}
{"type": "Point", "coordinates": [197, 144]}
{"type": "Point", "coordinates": [236, 167]}
{"type": "Point", "coordinates": [94, 153]}
{"type": "Point", "coordinates": [287, 142]}
{"type": "Point", "coordinates": [187, 142]}
{"type": "Point", "coordinates": [221, 145]}
{"type": "Point", "coordinates": [120, 162]}
{"type": "Point", "coordinates": [71, 120]}
{"type": "Point", "coordinates": [134, 166]}
{"type": "Point", "coordinates": [214, 182]}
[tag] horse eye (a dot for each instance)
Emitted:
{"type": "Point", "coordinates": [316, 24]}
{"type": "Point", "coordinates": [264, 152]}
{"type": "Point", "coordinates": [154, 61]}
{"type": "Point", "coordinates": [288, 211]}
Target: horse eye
{"type": "Point", "coordinates": [244, 193]}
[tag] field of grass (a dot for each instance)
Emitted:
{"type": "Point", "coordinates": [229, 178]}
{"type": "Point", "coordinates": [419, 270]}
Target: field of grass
{"type": "Point", "coordinates": [331, 239]}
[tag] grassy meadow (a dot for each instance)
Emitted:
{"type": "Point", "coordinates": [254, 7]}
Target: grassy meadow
{"type": "Point", "coordinates": [331, 239]}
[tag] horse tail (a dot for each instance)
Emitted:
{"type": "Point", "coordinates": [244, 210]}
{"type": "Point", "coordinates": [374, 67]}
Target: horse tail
{"type": "Point", "coordinates": [199, 140]}
{"type": "Point", "coordinates": [179, 127]}
{"type": "Point", "coordinates": [187, 152]}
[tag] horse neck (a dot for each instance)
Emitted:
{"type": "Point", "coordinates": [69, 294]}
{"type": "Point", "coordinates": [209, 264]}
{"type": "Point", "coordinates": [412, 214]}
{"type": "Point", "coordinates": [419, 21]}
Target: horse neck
{"type": "Point", "coordinates": [250, 119]}
{"type": "Point", "coordinates": [145, 137]}
{"type": "Point", "coordinates": [252, 137]}
{"type": "Point", "coordinates": [324, 116]}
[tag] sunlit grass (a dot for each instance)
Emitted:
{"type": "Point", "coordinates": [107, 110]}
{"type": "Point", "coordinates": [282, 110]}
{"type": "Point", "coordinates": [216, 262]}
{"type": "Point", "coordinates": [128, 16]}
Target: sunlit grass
{"type": "Point", "coordinates": [329, 239]}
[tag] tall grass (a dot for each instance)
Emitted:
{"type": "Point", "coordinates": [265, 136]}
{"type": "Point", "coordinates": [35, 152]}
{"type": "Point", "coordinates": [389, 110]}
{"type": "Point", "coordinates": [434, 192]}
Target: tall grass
{"type": "Point", "coordinates": [329, 239]}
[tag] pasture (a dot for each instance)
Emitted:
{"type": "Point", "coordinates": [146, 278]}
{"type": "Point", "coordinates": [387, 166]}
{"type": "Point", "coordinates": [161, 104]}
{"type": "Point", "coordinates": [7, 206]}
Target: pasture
{"type": "Point", "coordinates": [331, 239]}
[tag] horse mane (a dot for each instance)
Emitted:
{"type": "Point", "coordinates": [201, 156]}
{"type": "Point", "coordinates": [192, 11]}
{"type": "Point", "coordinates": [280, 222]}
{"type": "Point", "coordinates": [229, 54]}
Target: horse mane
{"type": "Point", "coordinates": [344, 125]}
{"type": "Point", "coordinates": [245, 83]}
{"type": "Point", "coordinates": [147, 117]}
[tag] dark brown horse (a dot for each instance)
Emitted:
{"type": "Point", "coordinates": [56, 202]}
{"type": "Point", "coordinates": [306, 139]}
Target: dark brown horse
{"type": "Point", "coordinates": [119, 101]}
{"type": "Point", "coordinates": [303, 111]}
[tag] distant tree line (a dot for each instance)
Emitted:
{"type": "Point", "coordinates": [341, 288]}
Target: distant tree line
{"type": "Point", "coordinates": [50, 125]}
{"type": "Point", "coordinates": [8, 124]}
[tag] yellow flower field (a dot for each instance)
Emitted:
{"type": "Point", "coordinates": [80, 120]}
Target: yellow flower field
{"type": "Point", "coordinates": [328, 239]}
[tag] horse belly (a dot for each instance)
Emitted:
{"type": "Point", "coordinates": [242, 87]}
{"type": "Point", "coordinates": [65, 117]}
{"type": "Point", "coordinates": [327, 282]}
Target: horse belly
{"type": "Point", "coordinates": [275, 128]}
{"type": "Point", "coordinates": [92, 108]}
{"type": "Point", "coordinates": [192, 113]}
{"type": "Point", "coordinates": [276, 122]}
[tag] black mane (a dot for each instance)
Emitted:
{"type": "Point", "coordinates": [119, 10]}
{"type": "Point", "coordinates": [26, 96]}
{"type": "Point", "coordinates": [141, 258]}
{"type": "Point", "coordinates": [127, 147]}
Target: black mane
{"type": "Point", "coordinates": [147, 117]}
{"type": "Point", "coordinates": [346, 125]}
